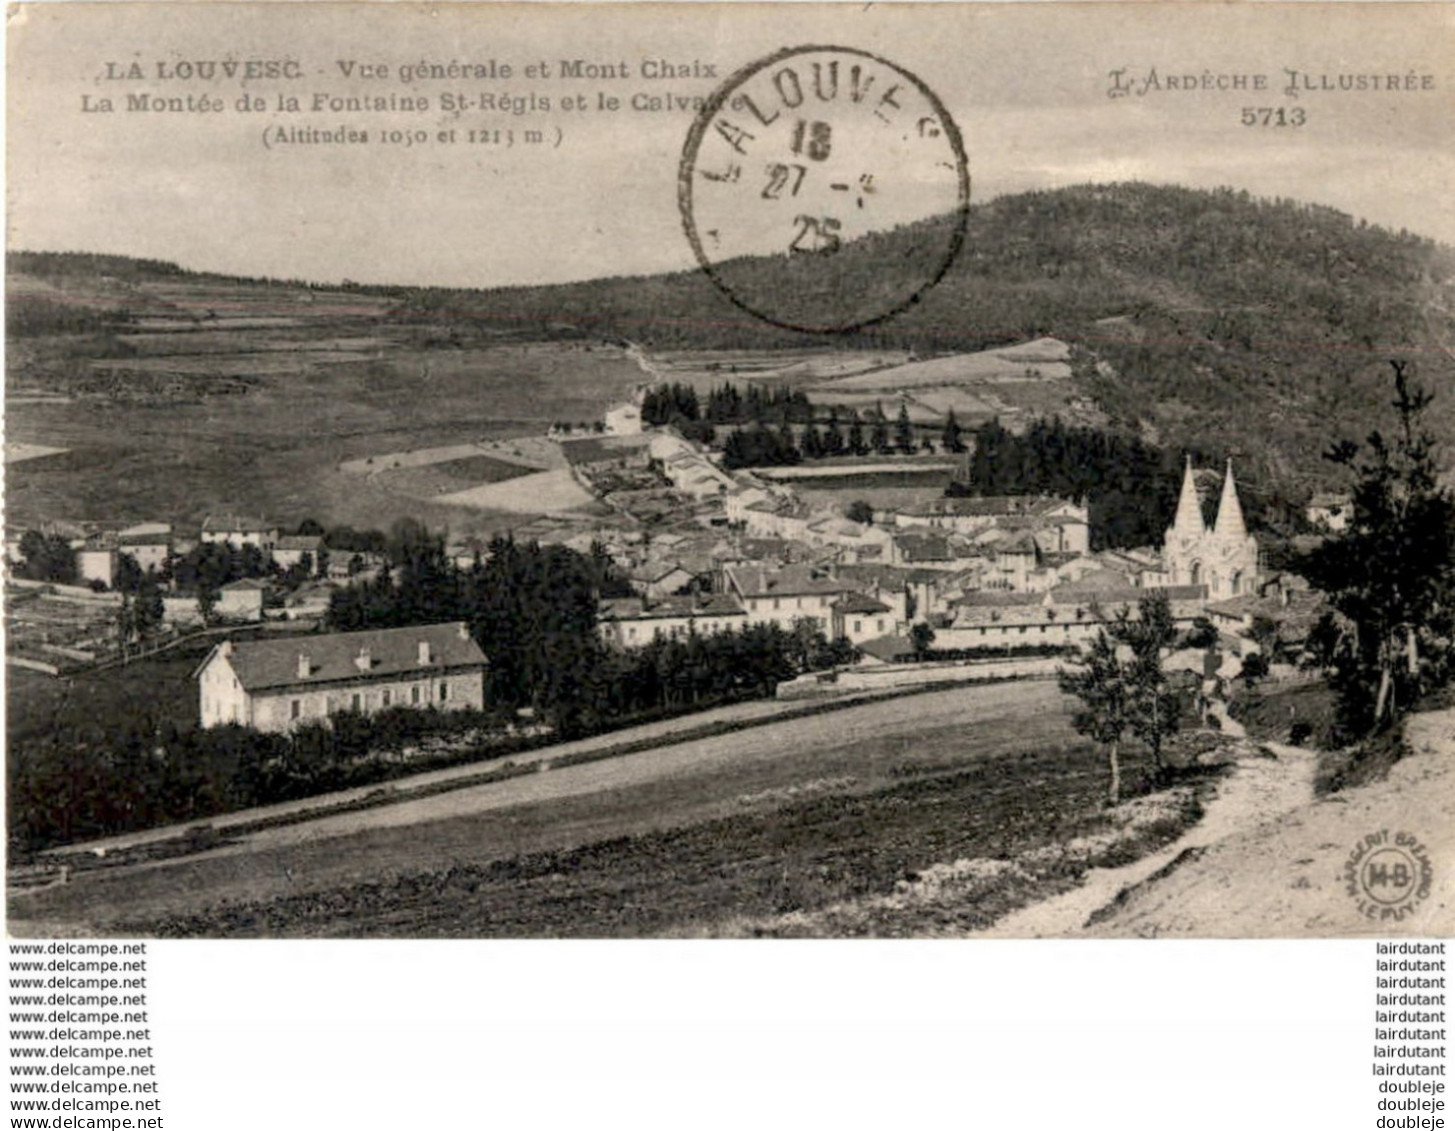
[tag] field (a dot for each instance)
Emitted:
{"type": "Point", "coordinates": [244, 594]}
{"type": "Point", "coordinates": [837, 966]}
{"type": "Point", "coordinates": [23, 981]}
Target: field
{"type": "Point", "coordinates": [686, 838]}
{"type": "Point", "coordinates": [248, 397]}
{"type": "Point", "coordinates": [429, 480]}
{"type": "Point", "coordinates": [1015, 383]}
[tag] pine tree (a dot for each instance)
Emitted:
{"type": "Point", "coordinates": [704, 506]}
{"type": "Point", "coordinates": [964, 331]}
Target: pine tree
{"type": "Point", "coordinates": [1390, 577]}
{"type": "Point", "coordinates": [903, 434]}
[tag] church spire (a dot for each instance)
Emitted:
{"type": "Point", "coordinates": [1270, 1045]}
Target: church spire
{"type": "Point", "coordinates": [1188, 522]}
{"type": "Point", "coordinates": [1230, 511]}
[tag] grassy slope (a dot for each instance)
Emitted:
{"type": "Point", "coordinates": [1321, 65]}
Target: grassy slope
{"type": "Point", "coordinates": [1253, 326]}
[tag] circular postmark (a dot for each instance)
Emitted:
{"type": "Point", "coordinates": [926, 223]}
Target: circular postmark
{"type": "Point", "coordinates": [824, 189]}
{"type": "Point", "coordinates": [1388, 874]}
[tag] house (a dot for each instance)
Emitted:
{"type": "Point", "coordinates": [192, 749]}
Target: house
{"type": "Point", "coordinates": [182, 611]}
{"type": "Point", "coordinates": [1286, 604]}
{"type": "Point", "coordinates": [1330, 512]}
{"type": "Point", "coordinates": [629, 622]}
{"type": "Point", "coordinates": [239, 530]}
{"type": "Point", "coordinates": [148, 543]}
{"type": "Point", "coordinates": [1064, 616]}
{"type": "Point", "coordinates": [737, 502]}
{"type": "Point", "coordinates": [860, 617]}
{"type": "Point", "coordinates": [277, 685]}
{"type": "Point", "coordinates": [96, 559]}
{"type": "Point", "coordinates": [661, 579]}
{"type": "Point", "coordinates": [970, 515]}
{"type": "Point", "coordinates": [786, 595]}
{"type": "Point", "coordinates": [309, 601]}
{"type": "Point", "coordinates": [241, 599]}
{"type": "Point", "coordinates": [623, 420]}
{"type": "Point", "coordinates": [291, 549]}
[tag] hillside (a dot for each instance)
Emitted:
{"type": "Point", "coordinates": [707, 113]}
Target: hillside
{"type": "Point", "coordinates": [1252, 326]}
{"type": "Point", "coordinates": [1202, 319]}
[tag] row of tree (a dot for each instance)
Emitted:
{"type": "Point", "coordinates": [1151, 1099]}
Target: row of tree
{"type": "Point", "coordinates": [761, 446]}
{"type": "Point", "coordinates": [1129, 486]}
{"type": "Point", "coordinates": [679, 403]}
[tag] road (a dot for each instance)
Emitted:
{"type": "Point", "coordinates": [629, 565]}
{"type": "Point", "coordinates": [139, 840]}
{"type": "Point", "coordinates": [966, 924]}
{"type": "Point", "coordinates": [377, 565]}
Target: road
{"type": "Point", "coordinates": [665, 787]}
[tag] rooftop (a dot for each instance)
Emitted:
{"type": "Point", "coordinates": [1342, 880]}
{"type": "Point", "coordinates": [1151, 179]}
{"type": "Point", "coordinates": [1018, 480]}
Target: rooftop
{"type": "Point", "coordinates": [261, 664]}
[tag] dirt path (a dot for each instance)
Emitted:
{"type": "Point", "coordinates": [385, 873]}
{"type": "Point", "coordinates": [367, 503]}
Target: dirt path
{"type": "Point", "coordinates": [1268, 862]}
{"type": "Point", "coordinates": [1260, 792]}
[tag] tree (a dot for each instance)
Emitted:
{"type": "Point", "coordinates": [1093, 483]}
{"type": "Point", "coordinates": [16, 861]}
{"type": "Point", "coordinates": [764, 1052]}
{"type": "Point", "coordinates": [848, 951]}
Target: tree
{"type": "Point", "coordinates": [903, 434]}
{"type": "Point", "coordinates": [207, 602]}
{"type": "Point", "coordinates": [951, 439]}
{"type": "Point", "coordinates": [1157, 707]}
{"type": "Point", "coordinates": [879, 436]}
{"type": "Point", "coordinates": [48, 557]}
{"type": "Point", "coordinates": [833, 439]}
{"type": "Point", "coordinates": [128, 574]}
{"type": "Point", "coordinates": [149, 611]}
{"type": "Point", "coordinates": [1100, 682]}
{"type": "Point", "coordinates": [1390, 576]}
{"type": "Point", "coordinates": [1264, 632]}
{"type": "Point", "coordinates": [921, 637]}
{"type": "Point", "coordinates": [861, 512]}
{"type": "Point", "coordinates": [1122, 685]}
{"type": "Point", "coordinates": [1202, 634]}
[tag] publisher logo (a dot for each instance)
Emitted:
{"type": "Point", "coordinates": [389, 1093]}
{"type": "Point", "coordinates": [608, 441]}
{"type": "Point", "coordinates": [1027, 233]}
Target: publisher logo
{"type": "Point", "coordinates": [1388, 874]}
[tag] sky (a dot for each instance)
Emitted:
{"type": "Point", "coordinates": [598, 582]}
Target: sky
{"type": "Point", "coordinates": [1027, 84]}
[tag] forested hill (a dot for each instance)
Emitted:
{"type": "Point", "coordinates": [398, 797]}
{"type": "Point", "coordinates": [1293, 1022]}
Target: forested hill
{"type": "Point", "coordinates": [1252, 326]}
{"type": "Point", "coordinates": [1205, 318]}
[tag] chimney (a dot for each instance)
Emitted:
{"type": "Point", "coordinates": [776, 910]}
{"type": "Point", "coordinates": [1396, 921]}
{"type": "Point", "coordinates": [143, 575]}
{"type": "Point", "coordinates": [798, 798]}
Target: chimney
{"type": "Point", "coordinates": [424, 658]}
{"type": "Point", "coordinates": [364, 661]}
{"type": "Point", "coordinates": [464, 630]}
{"type": "Point", "coordinates": [305, 665]}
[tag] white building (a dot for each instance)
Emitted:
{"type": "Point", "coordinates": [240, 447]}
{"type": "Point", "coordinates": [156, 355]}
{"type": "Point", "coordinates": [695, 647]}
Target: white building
{"type": "Point", "coordinates": [277, 685]}
{"type": "Point", "coordinates": [239, 531]}
{"type": "Point", "coordinates": [149, 543]}
{"type": "Point", "coordinates": [623, 420]}
{"type": "Point", "coordinates": [629, 622]}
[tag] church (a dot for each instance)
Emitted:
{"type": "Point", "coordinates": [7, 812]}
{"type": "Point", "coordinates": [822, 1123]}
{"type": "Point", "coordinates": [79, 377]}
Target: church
{"type": "Point", "coordinates": [1223, 557]}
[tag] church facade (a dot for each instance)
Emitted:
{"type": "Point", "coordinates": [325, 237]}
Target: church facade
{"type": "Point", "coordinates": [1223, 557]}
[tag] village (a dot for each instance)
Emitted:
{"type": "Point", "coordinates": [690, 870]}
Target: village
{"type": "Point", "coordinates": [937, 589]}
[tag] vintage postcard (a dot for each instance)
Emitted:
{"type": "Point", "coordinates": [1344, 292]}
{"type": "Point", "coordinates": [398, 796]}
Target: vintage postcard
{"type": "Point", "coordinates": [730, 471]}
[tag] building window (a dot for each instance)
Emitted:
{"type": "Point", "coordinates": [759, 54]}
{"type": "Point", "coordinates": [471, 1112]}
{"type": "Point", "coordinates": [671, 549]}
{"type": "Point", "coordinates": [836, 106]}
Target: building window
{"type": "Point", "coordinates": [414, 694]}
{"type": "Point", "coordinates": [444, 691]}
{"type": "Point", "coordinates": [354, 703]}
{"type": "Point", "coordinates": [384, 699]}
{"type": "Point", "coordinates": [858, 626]}
{"type": "Point", "coordinates": [295, 708]}
{"type": "Point", "coordinates": [775, 604]}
